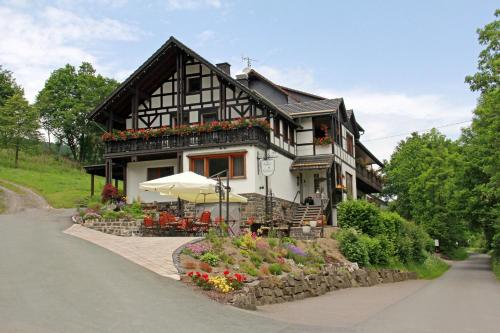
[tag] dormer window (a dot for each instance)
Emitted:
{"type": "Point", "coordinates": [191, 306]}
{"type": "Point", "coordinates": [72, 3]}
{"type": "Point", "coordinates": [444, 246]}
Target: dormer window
{"type": "Point", "coordinates": [193, 84]}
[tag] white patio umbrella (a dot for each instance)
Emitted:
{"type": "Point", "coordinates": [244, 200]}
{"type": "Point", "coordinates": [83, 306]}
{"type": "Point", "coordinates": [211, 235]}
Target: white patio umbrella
{"type": "Point", "coordinates": [181, 182]}
{"type": "Point", "coordinates": [188, 186]}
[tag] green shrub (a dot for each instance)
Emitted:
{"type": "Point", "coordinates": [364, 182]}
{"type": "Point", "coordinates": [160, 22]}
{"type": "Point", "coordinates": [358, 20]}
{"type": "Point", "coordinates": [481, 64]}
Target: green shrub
{"type": "Point", "coordinates": [360, 215]}
{"type": "Point", "coordinates": [210, 258]}
{"type": "Point", "coordinates": [392, 223]}
{"type": "Point", "coordinates": [288, 240]}
{"type": "Point", "coordinates": [458, 254]}
{"type": "Point", "coordinates": [275, 269]}
{"type": "Point", "coordinates": [412, 243]}
{"type": "Point", "coordinates": [134, 210]}
{"type": "Point", "coordinates": [273, 242]}
{"type": "Point", "coordinates": [256, 259]}
{"type": "Point", "coordinates": [379, 249]}
{"type": "Point", "coordinates": [249, 269]}
{"type": "Point", "coordinates": [495, 246]}
{"type": "Point", "coordinates": [352, 247]}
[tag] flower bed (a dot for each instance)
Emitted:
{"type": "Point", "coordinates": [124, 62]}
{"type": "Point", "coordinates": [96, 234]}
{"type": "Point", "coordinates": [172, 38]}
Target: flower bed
{"type": "Point", "coordinates": [216, 263]}
{"type": "Point", "coordinates": [185, 129]}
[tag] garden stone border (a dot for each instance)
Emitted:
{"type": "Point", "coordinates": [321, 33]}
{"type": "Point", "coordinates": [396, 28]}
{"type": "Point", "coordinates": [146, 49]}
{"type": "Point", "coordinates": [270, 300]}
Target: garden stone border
{"type": "Point", "coordinates": [287, 288]}
{"type": "Point", "coordinates": [176, 256]}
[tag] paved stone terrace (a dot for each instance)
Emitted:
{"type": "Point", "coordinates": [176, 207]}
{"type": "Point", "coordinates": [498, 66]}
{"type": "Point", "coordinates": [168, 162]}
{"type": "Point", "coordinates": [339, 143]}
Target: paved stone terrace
{"type": "Point", "coordinates": [153, 253]}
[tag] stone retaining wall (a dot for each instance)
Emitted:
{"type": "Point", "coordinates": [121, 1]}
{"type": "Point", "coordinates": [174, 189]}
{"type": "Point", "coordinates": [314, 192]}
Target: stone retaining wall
{"type": "Point", "coordinates": [290, 288]}
{"type": "Point", "coordinates": [256, 207]}
{"type": "Point", "coordinates": [115, 227]}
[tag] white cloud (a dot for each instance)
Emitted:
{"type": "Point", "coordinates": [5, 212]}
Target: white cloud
{"type": "Point", "coordinates": [205, 36]}
{"type": "Point", "coordinates": [193, 4]}
{"type": "Point", "coordinates": [381, 113]}
{"type": "Point", "coordinates": [290, 77]}
{"type": "Point", "coordinates": [389, 117]}
{"type": "Point", "coordinates": [32, 45]}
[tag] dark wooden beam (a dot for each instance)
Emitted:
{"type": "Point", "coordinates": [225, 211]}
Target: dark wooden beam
{"type": "Point", "coordinates": [134, 107]}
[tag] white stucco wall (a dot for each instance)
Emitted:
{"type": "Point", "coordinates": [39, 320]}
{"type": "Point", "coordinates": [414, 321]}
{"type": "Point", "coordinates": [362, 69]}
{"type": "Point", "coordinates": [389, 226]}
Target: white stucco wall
{"type": "Point", "coordinates": [137, 172]}
{"type": "Point", "coordinates": [282, 183]}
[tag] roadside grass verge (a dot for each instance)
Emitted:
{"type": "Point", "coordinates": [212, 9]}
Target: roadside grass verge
{"type": "Point", "coordinates": [60, 181]}
{"type": "Point", "coordinates": [495, 266]}
{"type": "Point", "coordinates": [11, 187]}
{"type": "Point", "coordinates": [458, 254]}
{"type": "Point", "coordinates": [431, 268]}
{"type": "Point", "coordinates": [2, 202]}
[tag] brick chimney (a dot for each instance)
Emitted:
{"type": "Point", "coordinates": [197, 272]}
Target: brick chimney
{"type": "Point", "coordinates": [225, 67]}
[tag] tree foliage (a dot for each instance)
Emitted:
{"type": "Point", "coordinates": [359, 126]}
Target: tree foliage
{"type": "Point", "coordinates": [8, 85]}
{"type": "Point", "coordinates": [452, 186]}
{"type": "Point", "coordinates": [487, 77]}
{"type": "Point", "coordinates": [19, 123]}
{"type": "Point", "coordinates": [68, 97]}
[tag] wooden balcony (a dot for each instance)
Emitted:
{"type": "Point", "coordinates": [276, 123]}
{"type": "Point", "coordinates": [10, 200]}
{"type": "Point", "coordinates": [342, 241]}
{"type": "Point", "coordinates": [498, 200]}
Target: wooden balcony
{"type": "Point", "coordinates": [175, 142]}
{"type": "Point", "coordinates": [370, 181]}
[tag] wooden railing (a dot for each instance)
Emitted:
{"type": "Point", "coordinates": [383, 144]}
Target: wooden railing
{"type": "Point", "coordinates": [176, 142]}
{"type": "Point", "coordinates": [369, 177]}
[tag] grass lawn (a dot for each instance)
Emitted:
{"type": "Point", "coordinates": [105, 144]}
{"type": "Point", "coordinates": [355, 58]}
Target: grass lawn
{"type": "Point", "coordinates": [60, 181]}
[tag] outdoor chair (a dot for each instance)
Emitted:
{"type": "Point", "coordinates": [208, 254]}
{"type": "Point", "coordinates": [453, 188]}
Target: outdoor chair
{"type": "Point", "coordinates": [185, 226]}
{"type": "Point", "coordinates": [165, 222]}
{"type": "Point", "coordinates": [203, 223]}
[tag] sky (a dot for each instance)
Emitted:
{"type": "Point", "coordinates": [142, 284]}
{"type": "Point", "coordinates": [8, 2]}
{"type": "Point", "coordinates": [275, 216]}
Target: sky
{"type": "Point", "coordinates": [399, 64]}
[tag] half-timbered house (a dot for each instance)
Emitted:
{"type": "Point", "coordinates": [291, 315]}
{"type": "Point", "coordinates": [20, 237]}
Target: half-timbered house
{"type": "Point", "coordinates": [179, 112]}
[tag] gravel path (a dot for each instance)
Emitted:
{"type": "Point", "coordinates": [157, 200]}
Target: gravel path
{"type": "Point", "coordinates": [23, 198]}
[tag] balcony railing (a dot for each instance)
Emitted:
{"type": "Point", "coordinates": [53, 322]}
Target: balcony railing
{"type": "Point", "coordinates": [369, 177]}
{"type": "Point", "coordinates": [176, 142]}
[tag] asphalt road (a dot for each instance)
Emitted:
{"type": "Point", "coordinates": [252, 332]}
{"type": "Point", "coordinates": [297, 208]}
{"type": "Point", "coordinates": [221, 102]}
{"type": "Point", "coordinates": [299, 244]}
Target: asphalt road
{"type": "Point", "coordinates": [52, 282]}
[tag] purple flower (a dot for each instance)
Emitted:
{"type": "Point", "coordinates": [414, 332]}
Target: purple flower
{"type": "Point", "coordinates": [295, 250]}
{"type": "Point", "coordinates": [198, 248]}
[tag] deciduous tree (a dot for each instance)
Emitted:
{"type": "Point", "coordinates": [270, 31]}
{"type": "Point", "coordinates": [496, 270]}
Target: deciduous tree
{"type": "Point", "coordinates": [66, 100]}
{"type": "Point", "coordinates": [19, 123]}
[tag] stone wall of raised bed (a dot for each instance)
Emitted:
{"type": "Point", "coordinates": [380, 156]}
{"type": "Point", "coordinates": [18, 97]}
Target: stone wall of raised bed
{"type": "Point", "coordinates": [290, 288]}
{"type": "Point", "coordinates": [256, 206]}
{"type": "Point", "coordinates": [119, 227]}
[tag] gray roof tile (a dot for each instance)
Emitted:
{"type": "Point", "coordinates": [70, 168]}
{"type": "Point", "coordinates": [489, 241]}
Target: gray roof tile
{"type": "Point", "coordinates": [325, 105]}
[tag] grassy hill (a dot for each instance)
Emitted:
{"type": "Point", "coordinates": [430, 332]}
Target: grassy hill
{"type": "Point", "coordinates": [60, 181]}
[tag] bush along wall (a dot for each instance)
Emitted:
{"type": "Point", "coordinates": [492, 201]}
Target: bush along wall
{"type": "Point", "coordinates": [372, 237]}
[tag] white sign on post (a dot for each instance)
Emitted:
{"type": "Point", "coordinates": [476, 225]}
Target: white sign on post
{"type": "Point", "coordinates": [267, 167]}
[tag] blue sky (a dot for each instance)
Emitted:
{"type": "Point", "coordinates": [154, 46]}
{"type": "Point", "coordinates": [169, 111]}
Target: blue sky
{"type": "Point", "coordinates": [399, 64]}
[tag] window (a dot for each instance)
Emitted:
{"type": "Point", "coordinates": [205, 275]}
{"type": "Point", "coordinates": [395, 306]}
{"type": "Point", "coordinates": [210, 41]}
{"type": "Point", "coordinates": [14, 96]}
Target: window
{"type": "Point", "coordinates": [198, 166]}
{"type": "Point", "coordinates": [338, 173]}
{"type": "Point", "coordinates": [154, 173]}
{"type": "Point", "coordinates": [238, 166]}
{"type": "Point", "coordinates": [185, 119]}
{"type": "Point", "coordinates": [350, 144]}
{"type": "Point", "coordinates": [285, 131]}
{"type": "Point", "coordinates": [207, 118]}
{"type": "Point", "coordinates": [193, 84]}
{"type": "Point", "coordinates": [209, 165]}
{"type": "Point", "coordinates": [292, 136]}
{"type": "Point", "coordinates": [316, 183]}
{"type": "Point", "coordinates": [322, 127]}
{"type": "Point", "coordinates": [276, 127]}
{"type": "Point", "coordinates": [336, 130]}
{"type": "Point", "coordinates": [348, 183]}
{"type": "Point", "coordinates": [217, 164]}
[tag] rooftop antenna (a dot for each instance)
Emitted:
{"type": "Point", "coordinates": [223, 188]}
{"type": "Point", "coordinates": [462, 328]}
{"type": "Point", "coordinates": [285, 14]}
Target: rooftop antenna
{"type": "Point", "coordinates": [248, 60]}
